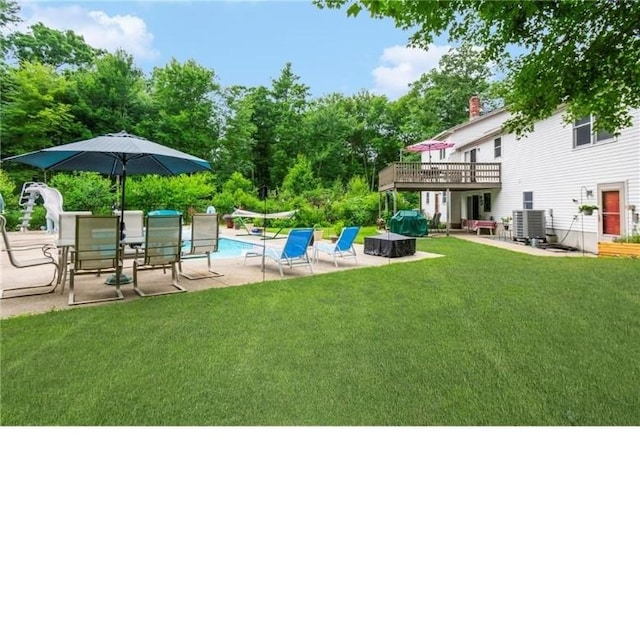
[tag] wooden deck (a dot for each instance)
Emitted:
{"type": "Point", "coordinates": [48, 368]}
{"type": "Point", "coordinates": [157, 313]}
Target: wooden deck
{"type": "Point", "coordinates": [440, 176]}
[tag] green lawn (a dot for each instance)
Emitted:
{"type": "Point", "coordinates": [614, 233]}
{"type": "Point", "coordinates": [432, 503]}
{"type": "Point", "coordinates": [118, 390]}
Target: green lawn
{"type": "Point", "coordinates": [481, 336]}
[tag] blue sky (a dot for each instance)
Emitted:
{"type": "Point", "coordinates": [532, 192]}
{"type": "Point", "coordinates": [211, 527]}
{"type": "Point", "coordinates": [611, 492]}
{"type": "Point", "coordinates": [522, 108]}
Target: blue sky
{"type": "Point", "coordinates": [248, 42]}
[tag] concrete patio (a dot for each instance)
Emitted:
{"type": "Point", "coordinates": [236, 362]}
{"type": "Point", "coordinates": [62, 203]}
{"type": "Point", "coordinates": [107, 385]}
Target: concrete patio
{"type": "Point", "coordinates": [234, 270]}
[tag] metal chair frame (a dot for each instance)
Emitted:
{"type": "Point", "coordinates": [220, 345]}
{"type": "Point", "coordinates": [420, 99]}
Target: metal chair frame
{"type": "Point", "coordinates": [48, 257]}
{"type": "Point", "coordinates": [97, 249]}
{"type": "Point", "coordinates": [162, 249]}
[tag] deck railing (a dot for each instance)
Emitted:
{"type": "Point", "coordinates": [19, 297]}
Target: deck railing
{"type": "Point", "coordinates": [418, 174]}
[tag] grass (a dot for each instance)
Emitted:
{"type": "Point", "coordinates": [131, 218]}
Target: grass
{"type": "Point", "coordinates": [481, 336]}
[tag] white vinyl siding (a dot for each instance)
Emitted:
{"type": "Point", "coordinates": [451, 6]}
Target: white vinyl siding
{"type": "Point", "coordinates": [546, 163]}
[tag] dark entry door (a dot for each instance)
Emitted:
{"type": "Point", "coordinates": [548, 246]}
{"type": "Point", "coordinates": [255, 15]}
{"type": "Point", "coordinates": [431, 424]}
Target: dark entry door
{"type": "Point", "coordinates": [473, 207]}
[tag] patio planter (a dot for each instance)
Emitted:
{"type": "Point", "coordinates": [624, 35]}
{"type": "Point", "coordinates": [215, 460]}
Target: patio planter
{"type": "Point", "coordinates": [627, 250]}
{"type": "Point", "coordinates": [228, 219]}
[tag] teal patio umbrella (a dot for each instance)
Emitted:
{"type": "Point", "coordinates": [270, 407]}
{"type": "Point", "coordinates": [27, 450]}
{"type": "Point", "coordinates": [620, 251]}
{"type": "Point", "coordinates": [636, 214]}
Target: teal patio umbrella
{"type": "Point", "coordinates": [114, 154]}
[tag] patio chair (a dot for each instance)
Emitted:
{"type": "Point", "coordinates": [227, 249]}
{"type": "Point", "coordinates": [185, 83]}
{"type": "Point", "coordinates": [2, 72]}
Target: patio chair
{"type": "Point", "coordinates": [133, 225]}
{"type": "Point", "coordinates": [294, 252]}
{"type": "Point", "coordinates": [96, 249]}
{"type": "Point", "coordinates": [66, 241]}
{"type": "Point", "coordinates": [18, 260]}
{"type": "Point", "coordinates": [204, 242]}
{"type": "Point", "coordinates": [342, 248]}
{"type": "Point", "coordinates": [162, 249]}
{"type": "Point", "coordinates": [133, 233]}
{"type": "Point", "coordinates": [434, 222]}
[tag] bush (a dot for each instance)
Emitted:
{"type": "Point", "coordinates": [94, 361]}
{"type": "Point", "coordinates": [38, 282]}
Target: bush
{"type": "Point", "coordinates": [14, 219]}
{"type": "Point", "coordinates": [632, 238]}
{"type": "Point", "coordinates": [84, 192]}
{"type": "Point", "coordinates": [38, 218]}
{"type": "Point", "coordinates": [36, 222]}
{"type": "Point", "coordinates": [179, 192]}
{"type": "Point", "coordinates": [8, 192]}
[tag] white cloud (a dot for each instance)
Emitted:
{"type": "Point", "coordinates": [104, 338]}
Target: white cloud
{"type": "Point", "coordinates": [402, 66]}
{"type": "Point", "coordinates": [99, 30]}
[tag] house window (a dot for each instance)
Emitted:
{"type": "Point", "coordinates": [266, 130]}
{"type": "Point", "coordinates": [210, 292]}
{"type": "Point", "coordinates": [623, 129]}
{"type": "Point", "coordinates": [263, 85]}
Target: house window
{"type": "Point", "coordinates": [497, 148]}
{"type": "Point", "coordinates": [603, 135]}
{"type": "Point", "coordinates": [486, 202]}
{"type": "Point", "coordinates": [527, 200]}
{"type": "Point", "coordinates": [583, 133]}
{"type": "Point", "coordinates": [426, 197]}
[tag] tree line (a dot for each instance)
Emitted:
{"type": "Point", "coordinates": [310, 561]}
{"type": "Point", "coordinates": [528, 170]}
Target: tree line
{"type": "Point", "coordinates": [58, 89]}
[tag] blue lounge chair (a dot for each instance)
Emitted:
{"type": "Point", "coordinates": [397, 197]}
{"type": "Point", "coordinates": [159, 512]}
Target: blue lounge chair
{"type": "Point", "coordinates": [294, 252]}
{"type": "Point", "coordinates": [342, 248]}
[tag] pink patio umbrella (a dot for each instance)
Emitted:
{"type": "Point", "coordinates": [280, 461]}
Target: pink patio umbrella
{"type": "Point", "coordinates": [429, 145]}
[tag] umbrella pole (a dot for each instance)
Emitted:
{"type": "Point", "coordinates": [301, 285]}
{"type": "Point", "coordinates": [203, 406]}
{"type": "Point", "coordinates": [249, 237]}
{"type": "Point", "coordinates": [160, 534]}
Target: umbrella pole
{"type": "Point", "coordinates": [124, 278]}
{"type": "Point", "coordinates": [124, 177]}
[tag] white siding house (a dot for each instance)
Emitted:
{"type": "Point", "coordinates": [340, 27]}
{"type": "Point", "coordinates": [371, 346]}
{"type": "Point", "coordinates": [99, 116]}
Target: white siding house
{"type": "Point", "coordinates": [556, 168]}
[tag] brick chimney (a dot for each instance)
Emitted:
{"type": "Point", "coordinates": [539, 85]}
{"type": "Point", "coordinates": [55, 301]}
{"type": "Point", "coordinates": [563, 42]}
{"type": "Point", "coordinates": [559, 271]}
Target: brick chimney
{"type": "Point", "coordinates": [474, 107]}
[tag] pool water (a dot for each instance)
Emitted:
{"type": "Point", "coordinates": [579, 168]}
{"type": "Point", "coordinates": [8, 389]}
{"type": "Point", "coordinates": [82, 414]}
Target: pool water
{"type": "Point", "coordinates": [227, 247]}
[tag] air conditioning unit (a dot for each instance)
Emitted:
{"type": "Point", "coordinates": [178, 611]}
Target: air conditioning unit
{"type": "Point", "coordinates": [528, 224]}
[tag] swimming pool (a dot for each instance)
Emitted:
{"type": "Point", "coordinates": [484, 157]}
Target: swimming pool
{"type": "Point", "coordinates": [227, 247]}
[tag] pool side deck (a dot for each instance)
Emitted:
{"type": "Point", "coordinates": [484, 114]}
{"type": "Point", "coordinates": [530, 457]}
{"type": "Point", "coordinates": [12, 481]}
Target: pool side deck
{"type": "Point", "coordinates": [234, 270]}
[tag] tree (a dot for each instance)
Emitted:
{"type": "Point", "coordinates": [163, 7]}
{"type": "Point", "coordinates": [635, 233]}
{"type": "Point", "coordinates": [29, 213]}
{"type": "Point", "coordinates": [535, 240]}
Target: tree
{"type": "Point", "coordinates": [182, 108]}
{"type": "Point", "coordinates": [111, 96]}
{"type": "Point", "coordinates": [299, 179]}
{"type": "Point", "coordinates": [372, 137]}
{"type": "Point", "coordinates": [326, 131]}
{"type": "Point", "coordinates": [235, 150]}
{"type": "Point", "coordinates": [580, 54]}
{"type": "Point", "coordinates": [262, 118]}
{"type": "Point", "coordinates": [289, 97]}
{"type": "Point", "coordinates": [35, 109]}
{"type": "Point", "coordinates": [9, 14]}
{"type": "Point", "coordinates": [51, 47]}
{"type": "Point", "coordinates": [439, 99]}
{"type": "Point", "coordinates": [445, 91]}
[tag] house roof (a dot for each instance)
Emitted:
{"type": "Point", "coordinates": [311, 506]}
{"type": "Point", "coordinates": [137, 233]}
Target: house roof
{"type": "Point", "coordinates": [493, 133]}
{"type": "Point", "coordinates": [469, 123]}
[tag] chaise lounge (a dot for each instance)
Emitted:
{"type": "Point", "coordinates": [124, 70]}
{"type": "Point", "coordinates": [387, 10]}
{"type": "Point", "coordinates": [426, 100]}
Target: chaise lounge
{"type": "Point", "coordinates": [295, 251]}
{"type": "Point", "coordinates": [342, 248]}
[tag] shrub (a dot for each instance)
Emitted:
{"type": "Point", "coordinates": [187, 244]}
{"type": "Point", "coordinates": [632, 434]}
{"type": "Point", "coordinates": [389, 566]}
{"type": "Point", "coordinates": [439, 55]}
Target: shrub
{"type": "Point", "coordinates": [179, 192]}
{"type": "Point", "coordinates": [8, 192]}
{"type": "Point", "coordinates": [84, 192]}
{"type": "Point", "coordinates": [631, 238]}
{"type": "Point", "coordinates": [14, 219]}
{"type": "Point", "coordinates": [300, 178]}
{"type": "Point", "coordinates": [38, 218]}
